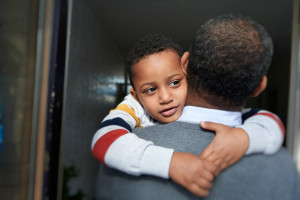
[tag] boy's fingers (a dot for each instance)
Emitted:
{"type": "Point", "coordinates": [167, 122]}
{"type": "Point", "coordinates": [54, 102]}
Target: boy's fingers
{"type": "Point", "coordinates": [204, 184]}
{"type": "Point", "coordinates": [206, 153]}
{"type": "Point", "coordinates": [210, 156]}
{"type": "Point", "coordinates": [212, 126]}
{"type": "Point", "coordinates": [198, 191]}
{"type": "Point", "coordinates": [208, 175]}
{"type": "Point", "coordinates": [212, 169]}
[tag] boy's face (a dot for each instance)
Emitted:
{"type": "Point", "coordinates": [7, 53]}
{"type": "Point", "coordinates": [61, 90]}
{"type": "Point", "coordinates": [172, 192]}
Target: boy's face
{"type": "Point", "coordinates": [160, 85]}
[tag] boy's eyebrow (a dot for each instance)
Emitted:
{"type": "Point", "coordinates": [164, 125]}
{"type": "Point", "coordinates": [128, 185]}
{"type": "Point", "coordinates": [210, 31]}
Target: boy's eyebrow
{"type": "Point", "coordinates": [149, 83]}
{"type": "Point", "coordinates": [169, 77]}
{"type": "Point", "coordinates": [174, 75]}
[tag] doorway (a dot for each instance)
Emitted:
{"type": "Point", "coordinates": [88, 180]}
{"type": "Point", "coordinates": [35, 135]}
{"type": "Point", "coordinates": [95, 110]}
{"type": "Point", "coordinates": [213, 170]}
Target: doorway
{"type": "Point", "coordinates": [100, 33]}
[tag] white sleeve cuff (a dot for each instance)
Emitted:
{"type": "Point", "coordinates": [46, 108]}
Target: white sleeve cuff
{"type": "Point", "coordinates": [156, 161]}
{"type": "Point", "coordinates": [265, 135]}
{"type": "Point", "coordinates": [257, 142]}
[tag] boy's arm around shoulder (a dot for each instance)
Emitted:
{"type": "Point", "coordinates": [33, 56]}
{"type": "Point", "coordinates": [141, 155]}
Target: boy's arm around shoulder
{"type": "Point", "coordinates": [193, 173]}
{"type": "Point", "coordinates": [262, 132]}
{"type": "Point", "coordinates": [265, 130]}
{"type": "Point", "coordinates": [114, 145]}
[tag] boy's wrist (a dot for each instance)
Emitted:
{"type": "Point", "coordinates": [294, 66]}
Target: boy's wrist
{"type": "Point", "coordinates": [244, 139]}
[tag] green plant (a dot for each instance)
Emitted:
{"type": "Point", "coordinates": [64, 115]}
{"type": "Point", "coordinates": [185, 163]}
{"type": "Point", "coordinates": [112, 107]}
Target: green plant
{"type": "Point", "coordinates": [69, 173]}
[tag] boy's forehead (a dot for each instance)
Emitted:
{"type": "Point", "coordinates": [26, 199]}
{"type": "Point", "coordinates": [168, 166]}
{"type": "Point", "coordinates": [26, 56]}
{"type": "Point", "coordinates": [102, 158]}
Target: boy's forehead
{"type": "Point", "coordinates": [160, 62]}
{"type": "Point", "coordinates": [170, 55]}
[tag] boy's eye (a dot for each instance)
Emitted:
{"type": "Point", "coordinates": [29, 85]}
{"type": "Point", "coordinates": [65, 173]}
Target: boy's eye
{"type": "Point", "coordinates": [149, 90]}
{"type": "Point", "coordinates": [174, 83]}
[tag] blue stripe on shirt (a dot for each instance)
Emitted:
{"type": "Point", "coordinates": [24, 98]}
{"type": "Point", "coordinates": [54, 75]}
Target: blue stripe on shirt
{"type": "Point", "coordinates": [116, 121]}
{"type": "Point", "coordinates": [250, 113]}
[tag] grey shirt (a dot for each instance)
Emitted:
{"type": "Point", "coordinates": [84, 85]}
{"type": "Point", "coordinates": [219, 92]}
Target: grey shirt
{"type": "Point", "coordinates": [253, 177]}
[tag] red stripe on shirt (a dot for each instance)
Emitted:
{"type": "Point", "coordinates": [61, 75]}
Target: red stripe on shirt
{"type": "Point", "coordinates": [104, 143]}
{"type": "Point", "coordinates": [276, 119]}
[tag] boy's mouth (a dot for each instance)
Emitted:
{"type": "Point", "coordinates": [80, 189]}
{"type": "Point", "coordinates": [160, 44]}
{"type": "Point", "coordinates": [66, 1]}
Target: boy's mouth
{"type": "Point", "coordinates": [169, 111]}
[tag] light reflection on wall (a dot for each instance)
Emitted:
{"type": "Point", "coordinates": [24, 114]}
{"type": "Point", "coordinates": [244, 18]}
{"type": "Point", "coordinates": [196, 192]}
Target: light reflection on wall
{"type": "Point", "coordinates": [94, 83]}
{"type": "Point", "coordinates": [106, 88]}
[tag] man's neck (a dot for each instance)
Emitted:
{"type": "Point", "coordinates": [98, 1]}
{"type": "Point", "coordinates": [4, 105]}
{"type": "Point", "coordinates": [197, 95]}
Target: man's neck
{"type": "Point", "coordinates": [194, 100]}
{"type": "Point", "coordinates": [194, 114]}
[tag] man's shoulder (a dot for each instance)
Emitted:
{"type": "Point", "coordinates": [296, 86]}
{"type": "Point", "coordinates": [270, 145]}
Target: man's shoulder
{"type": "Point", "coordinates": [181, 136]}
{"type": "Point", "coordinates": [173, 125]}
{"type": "Point", "coordinates": [176, 127]}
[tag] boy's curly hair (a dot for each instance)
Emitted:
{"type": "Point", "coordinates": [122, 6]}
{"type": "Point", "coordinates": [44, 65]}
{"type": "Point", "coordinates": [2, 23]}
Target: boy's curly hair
{"type": "Point", "coordinates": [147, 46]}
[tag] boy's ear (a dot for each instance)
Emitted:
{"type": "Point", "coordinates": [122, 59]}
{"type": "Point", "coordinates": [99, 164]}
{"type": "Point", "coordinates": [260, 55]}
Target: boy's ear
{"type": "Point", "coordinates": [261, 87]}
{"type": "Point", "coordinates": [185, 61]}
{"type": "Point", "coordinates": [134, 94]}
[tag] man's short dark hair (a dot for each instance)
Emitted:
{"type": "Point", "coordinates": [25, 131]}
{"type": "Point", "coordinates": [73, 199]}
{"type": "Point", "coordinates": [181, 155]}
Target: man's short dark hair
{"type": "Point", "coordinates": [228, 58]}
{"type": "Point", "coordinates": [149, 45]}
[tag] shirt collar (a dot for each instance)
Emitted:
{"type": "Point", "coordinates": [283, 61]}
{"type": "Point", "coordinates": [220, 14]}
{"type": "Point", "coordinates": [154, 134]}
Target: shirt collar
{"type": "Point", "coordinates": [193, 114]}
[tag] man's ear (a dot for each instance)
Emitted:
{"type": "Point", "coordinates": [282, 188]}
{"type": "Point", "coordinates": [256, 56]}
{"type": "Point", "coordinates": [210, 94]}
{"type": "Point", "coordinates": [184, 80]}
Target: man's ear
{"type": "Point", "coordinates": [184, 62]}
{"type": "Point", "coordinates": [134, 95]}
{"type": "Point", "coordinates": [261, 87]}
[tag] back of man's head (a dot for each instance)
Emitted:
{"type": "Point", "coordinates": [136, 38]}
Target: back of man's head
{"type": "Point", "coordinates": [228, 58]}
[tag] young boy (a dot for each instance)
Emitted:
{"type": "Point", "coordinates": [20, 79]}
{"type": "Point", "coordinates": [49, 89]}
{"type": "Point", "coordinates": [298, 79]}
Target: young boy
{"type": "Point", "coordinates": [158, 96]}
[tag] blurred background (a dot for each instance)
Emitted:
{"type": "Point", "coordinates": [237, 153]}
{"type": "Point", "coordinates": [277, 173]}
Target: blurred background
{"type": "Point", "coordinates": [61, 71]}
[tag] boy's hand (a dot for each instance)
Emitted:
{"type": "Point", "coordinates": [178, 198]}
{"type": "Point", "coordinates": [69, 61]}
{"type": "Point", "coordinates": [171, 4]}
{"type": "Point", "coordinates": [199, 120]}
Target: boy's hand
{"type": "Point", "coordinates": [192, 172]}
{"type": "Point", "coordinates": [228, 146]}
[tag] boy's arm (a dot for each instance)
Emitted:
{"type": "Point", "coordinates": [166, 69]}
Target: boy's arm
{"type": "Point", "coordinates": [262, 132]}
{"type": "Point", "coordinates": [228, 146]}
{"type": "Point", "coordinates": [265, 130]}
{"type": "Point", "coordinates": [128, 153]}
{"type": "Point", "coordinates": [114, 145]}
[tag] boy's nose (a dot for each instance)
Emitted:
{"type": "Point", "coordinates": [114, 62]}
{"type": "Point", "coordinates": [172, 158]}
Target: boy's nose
{"type": "Point", "coordinates": [165, 97]}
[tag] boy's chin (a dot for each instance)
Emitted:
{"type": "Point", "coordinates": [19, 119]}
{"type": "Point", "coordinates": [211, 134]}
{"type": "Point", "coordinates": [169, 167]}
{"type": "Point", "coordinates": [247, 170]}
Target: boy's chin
{"type": "Point", "coordinates": [169, 119]}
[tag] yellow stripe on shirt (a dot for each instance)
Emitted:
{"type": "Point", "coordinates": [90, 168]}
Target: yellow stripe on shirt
{"type": "Point", "coordinates": [130, 111]}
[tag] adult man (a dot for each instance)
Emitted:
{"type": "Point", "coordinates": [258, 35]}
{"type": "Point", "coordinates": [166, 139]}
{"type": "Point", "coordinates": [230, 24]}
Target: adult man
{"type": "Point", "coordinates": [227, 64]}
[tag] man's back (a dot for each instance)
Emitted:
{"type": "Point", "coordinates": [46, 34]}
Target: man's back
{"type": "Point", "coordinates": [253, 177]}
